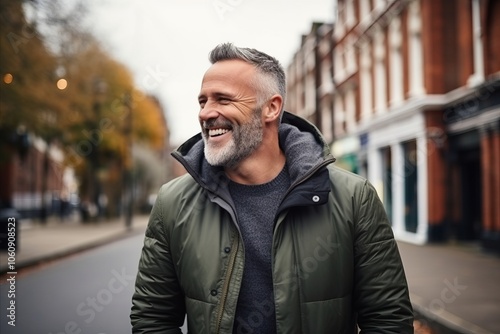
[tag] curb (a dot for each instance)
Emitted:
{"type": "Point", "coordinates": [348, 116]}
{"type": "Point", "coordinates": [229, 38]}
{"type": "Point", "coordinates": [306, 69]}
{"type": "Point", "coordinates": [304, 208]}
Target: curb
{"type": "Point", "coordinates": [443, 322]}
{"type": "Point", "coordinates": [73, 250]}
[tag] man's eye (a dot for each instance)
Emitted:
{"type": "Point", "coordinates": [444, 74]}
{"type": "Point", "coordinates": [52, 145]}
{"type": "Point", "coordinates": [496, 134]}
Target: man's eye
{"type": "Point", "coordinates": [224, 100]}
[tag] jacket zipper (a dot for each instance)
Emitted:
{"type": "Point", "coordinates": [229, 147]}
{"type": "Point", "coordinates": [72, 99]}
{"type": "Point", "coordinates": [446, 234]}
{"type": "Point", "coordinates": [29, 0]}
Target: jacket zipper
{"type": "Point", "coordinates": [307, 176]}
{"type": "Point", "coordinates": [225, 288]}
{"type": "Point", "coordinates": [234, 248]}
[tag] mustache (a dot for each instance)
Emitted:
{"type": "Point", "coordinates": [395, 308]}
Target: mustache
{"type": "Point", "coordinates": [217, 123]}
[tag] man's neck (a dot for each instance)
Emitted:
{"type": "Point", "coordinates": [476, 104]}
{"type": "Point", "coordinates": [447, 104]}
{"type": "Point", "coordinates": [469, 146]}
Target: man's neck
{"type": "Point", "coordinates": [258, 169]}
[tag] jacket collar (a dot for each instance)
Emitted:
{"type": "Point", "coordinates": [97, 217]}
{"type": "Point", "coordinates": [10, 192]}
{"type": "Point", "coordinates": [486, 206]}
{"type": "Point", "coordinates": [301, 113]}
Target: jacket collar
{"type": "Point", "coordinates": [303, 145]}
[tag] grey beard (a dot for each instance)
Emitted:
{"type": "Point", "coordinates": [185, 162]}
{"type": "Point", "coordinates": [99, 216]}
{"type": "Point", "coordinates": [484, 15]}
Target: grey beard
{"type": "Point", "coordinates": [245, 140]}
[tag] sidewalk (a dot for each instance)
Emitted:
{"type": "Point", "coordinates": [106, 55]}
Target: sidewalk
{"type": "Point", "coordinates": [39, 243]}
{"type": "Point", "coordinates": [453, 288]}
{"type": "Point", "coordinates": [456, 288]}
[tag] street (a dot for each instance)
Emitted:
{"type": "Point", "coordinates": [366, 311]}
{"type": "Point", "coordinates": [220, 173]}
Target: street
{"type": "Point", "coordinates": [88, 293]}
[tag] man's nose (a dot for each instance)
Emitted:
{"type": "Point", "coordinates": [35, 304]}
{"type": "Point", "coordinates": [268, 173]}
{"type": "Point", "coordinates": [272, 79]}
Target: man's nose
{"type": "Point", "coordinates": [208, 111]}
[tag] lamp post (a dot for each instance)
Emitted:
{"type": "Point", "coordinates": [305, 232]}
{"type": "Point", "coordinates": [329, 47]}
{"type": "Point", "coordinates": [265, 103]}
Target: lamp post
{"type": "Point", "coordinates": [100, 89]}
{"type": "Point", "coordinates": [50, 119]}
{"type": "Point", "coordinates": [128, 179]}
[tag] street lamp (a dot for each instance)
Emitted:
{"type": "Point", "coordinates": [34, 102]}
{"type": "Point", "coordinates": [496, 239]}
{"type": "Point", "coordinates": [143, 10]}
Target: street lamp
{"type": "Point", "coordinates": [62, 84]}
{"type": "Point", "coordinates": [100, 89]}
{"type": "Point", "coordinates": [128, 180]}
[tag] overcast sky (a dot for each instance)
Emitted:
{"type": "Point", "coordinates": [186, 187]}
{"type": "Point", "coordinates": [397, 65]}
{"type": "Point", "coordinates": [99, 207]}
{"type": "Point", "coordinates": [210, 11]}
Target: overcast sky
{"type": "Point", "coordinates": [165, 43]}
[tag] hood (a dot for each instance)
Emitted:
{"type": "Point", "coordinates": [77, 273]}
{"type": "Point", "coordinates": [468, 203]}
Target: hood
{"type": "Point", "coordinates": [303, 145]}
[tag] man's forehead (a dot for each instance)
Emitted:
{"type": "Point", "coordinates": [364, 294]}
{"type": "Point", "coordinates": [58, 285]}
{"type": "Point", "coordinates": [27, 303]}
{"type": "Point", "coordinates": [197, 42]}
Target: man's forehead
{"type": "Point", "coordinates": [231, 66]}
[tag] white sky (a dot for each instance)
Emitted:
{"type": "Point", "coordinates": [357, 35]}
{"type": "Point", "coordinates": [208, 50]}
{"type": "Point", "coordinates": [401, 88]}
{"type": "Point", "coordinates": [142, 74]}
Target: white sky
{"type": "Point", "coordinates": [165, 43]}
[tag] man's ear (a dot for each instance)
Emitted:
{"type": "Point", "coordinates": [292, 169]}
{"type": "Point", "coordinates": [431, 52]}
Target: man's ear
{"type": "Point", "coordinates": [272, 109]}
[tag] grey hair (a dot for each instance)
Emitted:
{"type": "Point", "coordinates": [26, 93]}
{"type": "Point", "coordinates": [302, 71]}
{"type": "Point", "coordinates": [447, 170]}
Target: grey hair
{"type": "Point", "coordinates": [273, 79]}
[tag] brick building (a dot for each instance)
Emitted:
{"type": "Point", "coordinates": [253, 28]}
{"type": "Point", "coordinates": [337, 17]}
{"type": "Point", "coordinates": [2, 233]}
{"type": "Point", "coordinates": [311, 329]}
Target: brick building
{"type": "Point", "coordinates": [309, 79]}
{"type": "Point", "coordinates": [414, 95]}
{"type": "Point", "coordinates": [35, 182]}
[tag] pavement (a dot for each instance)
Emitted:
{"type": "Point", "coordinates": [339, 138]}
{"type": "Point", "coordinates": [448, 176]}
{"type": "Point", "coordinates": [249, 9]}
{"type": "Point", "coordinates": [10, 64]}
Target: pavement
{"type": "Point", "coordinates": [454, 287]}
{"type": "Point", "coordinates": [39, 243]}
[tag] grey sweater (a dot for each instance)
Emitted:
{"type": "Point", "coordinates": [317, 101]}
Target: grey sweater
{"type": "Point", "coordinates": [256, 208]}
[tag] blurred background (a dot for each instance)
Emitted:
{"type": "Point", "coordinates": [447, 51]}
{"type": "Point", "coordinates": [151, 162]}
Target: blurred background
{"type": "Point", "coordinates": [96, 94]}
{"type": "Point", "coordinates": [77, 134]}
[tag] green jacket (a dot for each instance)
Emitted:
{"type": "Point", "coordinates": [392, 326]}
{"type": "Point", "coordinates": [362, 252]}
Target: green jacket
{"type": "Point", "coordinates": [334, 258]}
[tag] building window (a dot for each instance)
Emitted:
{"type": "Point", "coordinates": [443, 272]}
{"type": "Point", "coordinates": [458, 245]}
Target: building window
{"type": "Point", "coordinates": [396, 62]}
{"type": "Point", "coordinates": [366, 83]}
{"type": "Point", "coordinates": [380, 72]}
{"type": "Point", "coordinates": [326, 76]}
{"type": "Point", "coordinates": [415, 52]}
{"type": "Point", "coordinates": [350, 57]}
{"type": "Point", "coordinates": [350, 108]}
{"type": "Point", "coordinates": [310, 94]}
{"type": "Point", "coordinates": [380, 4]}
{"type": "Point", "coordinates": [326, 119]}
{"type": "Point", "coordinates": [339, 63]}
{"type": "Point", "coordinates": [477, 45]}
{"type": "Point", "coordinates": [350, 18]}
{"type": "Point", "coordinates": [410, 185]}
{"type": "Point", "coordinates": [364, 10]}
{"type": "Point", "coordinates": [339, 29]}
{"type": "Point", "coordinates": [339, 116]}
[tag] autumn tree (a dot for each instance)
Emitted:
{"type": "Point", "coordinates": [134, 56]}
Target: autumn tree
{"type": "Point", "coordinates": [28, 73]}
{"type": "Point", "coordinates": [105, 114]}
{"type": "Point", "coordinates": [61, 86]}
{"type": "Point", "coordinates": [28, 93]}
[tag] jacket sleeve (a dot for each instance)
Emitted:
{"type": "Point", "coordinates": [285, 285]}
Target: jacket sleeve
{"type": "Point", "coordinates": [381, 294]}
{"type": "Point", "coordinates": [158, 302]}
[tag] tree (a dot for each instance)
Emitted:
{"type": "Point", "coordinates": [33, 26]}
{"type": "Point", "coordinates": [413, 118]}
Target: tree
{"type": "Point", "coordinates": [28, 72]}
{"type": "Point", "coordinates": [27, 102]}
{"type": "Point", "coordinates": [59, 84]}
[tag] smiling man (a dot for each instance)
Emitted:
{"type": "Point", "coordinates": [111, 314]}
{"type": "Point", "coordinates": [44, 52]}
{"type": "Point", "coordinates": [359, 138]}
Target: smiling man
{"type": "Point", "coordinates": [240, 109]}
{"type": "Point", "coordinates": [264, 234]}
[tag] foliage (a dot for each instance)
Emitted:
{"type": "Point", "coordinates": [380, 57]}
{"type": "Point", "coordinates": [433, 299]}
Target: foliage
{"type": "Point", "coordinates": [97, 116]}
{"type": "Point", "coordinates": [95, 97]}
{"type": "Point", "coordinates": [27, 68]}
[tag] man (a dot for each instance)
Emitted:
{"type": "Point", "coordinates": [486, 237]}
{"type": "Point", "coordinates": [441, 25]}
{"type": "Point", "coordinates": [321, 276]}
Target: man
{"type": "Point", "coordinates": [264, 234]}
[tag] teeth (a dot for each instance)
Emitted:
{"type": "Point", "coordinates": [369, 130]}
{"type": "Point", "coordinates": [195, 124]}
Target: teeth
{"type": "Point", "coordinates": [217, 132]}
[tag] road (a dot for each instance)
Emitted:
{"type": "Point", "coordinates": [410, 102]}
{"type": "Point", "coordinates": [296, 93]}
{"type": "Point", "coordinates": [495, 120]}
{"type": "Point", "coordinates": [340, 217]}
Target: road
{"type": "Point", "coordinates": [87, 293]}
